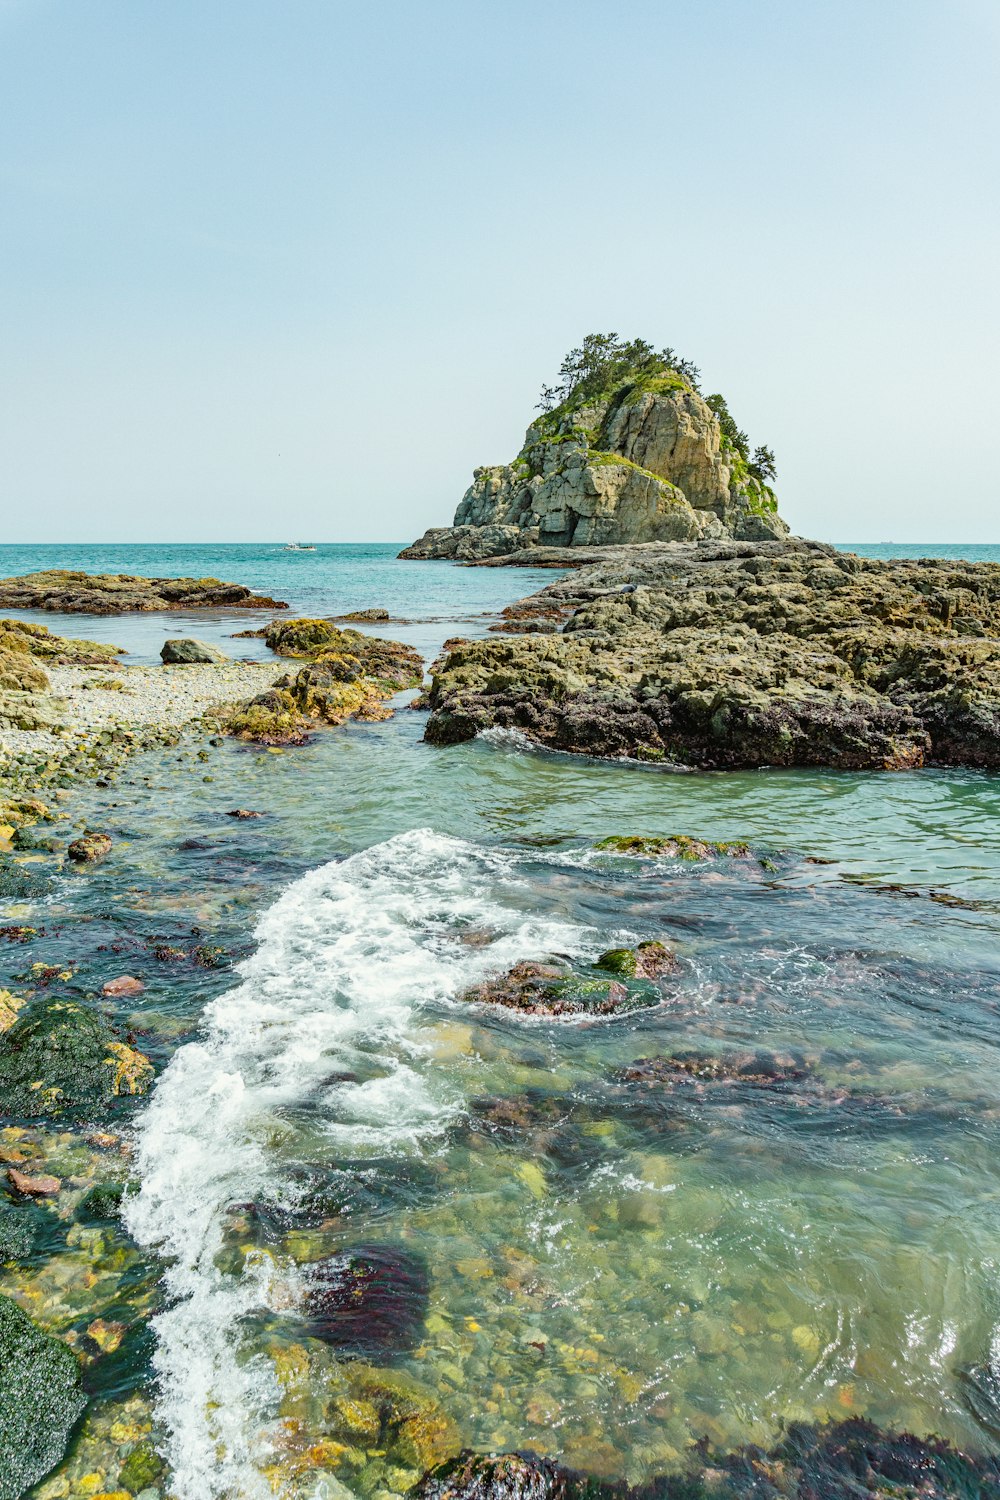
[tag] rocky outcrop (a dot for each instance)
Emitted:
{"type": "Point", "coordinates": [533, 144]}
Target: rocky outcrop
{"type": "Point", "coordinates": [727, 655]}
{"type": "Point", "coordinates": [185, 650]}
{"type": "Point", "coordinates": [649, 461]}
{"type": "Point", "coordinates": [124, 593]}
{"type": "Point", "coordinates": [348, 675]}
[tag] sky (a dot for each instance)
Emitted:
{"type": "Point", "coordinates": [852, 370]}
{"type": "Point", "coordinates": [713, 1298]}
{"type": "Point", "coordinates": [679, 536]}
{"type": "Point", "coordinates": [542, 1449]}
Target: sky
{"type": "Point", "coordinates": [291, 270]}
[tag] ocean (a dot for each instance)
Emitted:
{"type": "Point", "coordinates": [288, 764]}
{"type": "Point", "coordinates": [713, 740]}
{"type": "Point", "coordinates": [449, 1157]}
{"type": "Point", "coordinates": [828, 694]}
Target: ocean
{"type": "Point", "coordinates": [800, 1224]}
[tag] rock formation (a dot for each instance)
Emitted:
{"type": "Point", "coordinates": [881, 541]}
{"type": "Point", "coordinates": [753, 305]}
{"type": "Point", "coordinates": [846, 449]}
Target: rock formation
{"type": "Point", "coordinates": [632, 453]}
{"type": "Point", "coordinates": [731, 654]}
{"type": "Point", "coordinates": [124, 593]}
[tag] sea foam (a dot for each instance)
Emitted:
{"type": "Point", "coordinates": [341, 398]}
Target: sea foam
{"type": "Point", "coordinates": [345, 959]}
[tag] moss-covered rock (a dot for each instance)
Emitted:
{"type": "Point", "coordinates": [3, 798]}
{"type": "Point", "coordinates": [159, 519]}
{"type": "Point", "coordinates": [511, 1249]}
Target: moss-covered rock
{"type": "Point", "coordinates": [72, 592]}
{"type": "Point", "coordinates": [348, 675]}
{"type": "Point", "coordinates": [554, 988]}
{"type": "Point", "coordinates": [40, 1401]}
{"type": "Point", "coordinates": [674, 846]}
{"type": "Point", "coordinates": [60, 1059]}
{"type": "Point", "coordinates": [650, 960]}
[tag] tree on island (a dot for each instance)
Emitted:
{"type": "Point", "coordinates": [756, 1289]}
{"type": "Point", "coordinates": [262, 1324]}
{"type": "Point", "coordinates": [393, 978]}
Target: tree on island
{"type": "Point", "coordinates": [604, 363]}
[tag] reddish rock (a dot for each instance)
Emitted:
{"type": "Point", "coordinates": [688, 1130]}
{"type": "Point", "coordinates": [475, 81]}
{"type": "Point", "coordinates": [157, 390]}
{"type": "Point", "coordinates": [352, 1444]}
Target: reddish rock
{"type": "Point", "coordinates": [33, 1187]}
{"type": "Point", "coordinates": [125, 984]}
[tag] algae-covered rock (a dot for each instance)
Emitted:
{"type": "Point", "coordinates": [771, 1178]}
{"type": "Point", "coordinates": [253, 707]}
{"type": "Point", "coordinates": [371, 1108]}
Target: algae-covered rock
{"type": "Point", "coordinates": [72, 592]}
{"type": "Point", "coordinates": [303, 637]}
{"type": "Point", "coordinates": [555, 988]}
{"type": "Point", "coordinates": [370, 1301]}
{"type": "Point", "coordinates": [90, 847]}
{"type": "Point", "coordinates": [347, 675]}
{"type": "Point", "coordinates": [852, 1460]}
{"type": "Point", "coordinates": [60, 1059]}
{"type": "Point", "coordinates": [674, 846]}
{"type": "Point", "coordinates": [184, 650]}
{"type": "Point", "coordinates": [141, 1469]}
{"type": "Point", "coordinates": [727, 655]}
{"type": "Point", "coordinates": [650, 960]}
{"type": "Point", "coordinates": [40, 1401]}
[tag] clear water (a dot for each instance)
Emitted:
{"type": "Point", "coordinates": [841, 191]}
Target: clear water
{"type": "Point", "coordinates": [434, 599]}
{"type": "Point", "coordinates": [614, 1271]}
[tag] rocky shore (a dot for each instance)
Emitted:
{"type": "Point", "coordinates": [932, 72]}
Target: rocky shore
{"type": "Point", "coordinates": [737, 654]}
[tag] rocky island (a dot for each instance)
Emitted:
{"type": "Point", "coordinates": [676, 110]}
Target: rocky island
{"type": "Point", "coordinates": [693, 628]}
{"type": "Point", "coordinates": [627, 449]}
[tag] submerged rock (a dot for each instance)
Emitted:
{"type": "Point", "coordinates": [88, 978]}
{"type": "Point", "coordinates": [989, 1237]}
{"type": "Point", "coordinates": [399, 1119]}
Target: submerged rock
{"type": "Point", "coordinates": [61, 1059]}
{"type": "Point", "coordinates": [370, 1301]}
{"type": "Point", "coordinates": [185, 650]}
{"type": "Point", "coordinates": [40, 1400]}
{"type": "Point", "coordinates": [555, 989]}
{"type": "Point", "coordinates": [853, 1460]}
{"type": "Point", "coordinates": [685, 1068]}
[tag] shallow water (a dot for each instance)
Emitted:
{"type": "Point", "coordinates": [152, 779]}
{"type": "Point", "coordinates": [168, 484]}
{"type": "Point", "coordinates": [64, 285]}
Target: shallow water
{"type": "Point", "coordinates": [615, 1267]}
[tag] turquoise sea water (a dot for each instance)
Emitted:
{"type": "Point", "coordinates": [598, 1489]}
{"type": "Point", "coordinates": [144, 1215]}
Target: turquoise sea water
{"type": "Point", "coordinates": [618, 1261]}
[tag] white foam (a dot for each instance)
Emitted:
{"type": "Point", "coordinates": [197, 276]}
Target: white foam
{"type": "Point", "coordinates": [345, 959]}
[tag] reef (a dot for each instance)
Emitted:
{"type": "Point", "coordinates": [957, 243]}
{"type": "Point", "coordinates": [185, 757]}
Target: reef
{"type": "Point", "coordinates": [68, 592]}
{"type": "Point", "coordinates": [724, 655]}
{"type": "Point", "coordinates": [627, 449]}
{"type": "Point", "coordinates": [348, 675]}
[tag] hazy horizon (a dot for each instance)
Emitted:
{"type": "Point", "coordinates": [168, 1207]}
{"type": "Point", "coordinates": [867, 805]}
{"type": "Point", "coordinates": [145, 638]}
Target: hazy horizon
{"type": "Point", "coordinates": [292, 272]}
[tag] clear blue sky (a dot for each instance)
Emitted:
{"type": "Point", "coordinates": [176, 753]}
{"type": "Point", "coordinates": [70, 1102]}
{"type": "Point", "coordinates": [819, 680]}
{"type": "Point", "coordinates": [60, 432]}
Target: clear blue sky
{"type": "Point", "coordinates": [291, 269]}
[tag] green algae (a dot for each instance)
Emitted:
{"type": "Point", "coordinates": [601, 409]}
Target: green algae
{"type": "Point", "coordinates": [60, 1059]}
{"type": "Point", "coordinates": [40, 1400]}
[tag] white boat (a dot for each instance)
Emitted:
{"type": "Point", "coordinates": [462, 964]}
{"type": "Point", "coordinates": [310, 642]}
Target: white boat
{"type": "Point", "coordinates": [299, 547]}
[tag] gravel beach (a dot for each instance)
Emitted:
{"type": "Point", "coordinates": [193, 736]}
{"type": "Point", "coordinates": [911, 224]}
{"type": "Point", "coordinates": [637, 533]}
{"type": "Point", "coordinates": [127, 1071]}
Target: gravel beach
{"type": "Point", "coordinates": [149, 698]}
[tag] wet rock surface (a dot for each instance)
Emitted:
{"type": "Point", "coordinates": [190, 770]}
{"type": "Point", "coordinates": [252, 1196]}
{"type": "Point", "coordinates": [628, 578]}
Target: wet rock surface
{"type": "Point", "coordinates": [724, 655]}
{"type": "Point", "coordinates": [40, 1400]}
{"type": "Point", "coordinates": [71, 592]}
{"type": "Point", "coordinates": [616, 983]}
{"type": "Point", "coordinates": [370, 1301]}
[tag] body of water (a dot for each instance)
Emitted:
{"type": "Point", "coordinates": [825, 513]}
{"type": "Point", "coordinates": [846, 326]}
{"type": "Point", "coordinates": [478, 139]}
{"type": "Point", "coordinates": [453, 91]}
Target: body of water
{"type": "Point", "coordinates": [772, 1196]}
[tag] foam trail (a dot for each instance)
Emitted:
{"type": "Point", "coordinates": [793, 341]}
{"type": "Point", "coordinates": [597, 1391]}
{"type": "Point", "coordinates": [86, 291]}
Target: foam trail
{"type": "Point", "coordinates": [344, 959]}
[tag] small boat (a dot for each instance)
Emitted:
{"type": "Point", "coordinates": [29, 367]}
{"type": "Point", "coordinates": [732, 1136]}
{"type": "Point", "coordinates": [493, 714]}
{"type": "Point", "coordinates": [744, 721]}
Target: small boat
{"type": "Point", "coordinates": [299, 547]}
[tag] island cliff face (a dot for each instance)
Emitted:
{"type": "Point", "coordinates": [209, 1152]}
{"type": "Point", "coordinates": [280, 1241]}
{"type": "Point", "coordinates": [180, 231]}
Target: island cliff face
{"type": "Point", "coordinates": [649, 459]}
